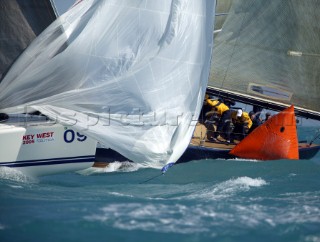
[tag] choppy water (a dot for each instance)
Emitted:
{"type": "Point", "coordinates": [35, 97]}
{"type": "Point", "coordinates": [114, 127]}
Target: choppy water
{"type": "Point", "coordinates": [208, 200]}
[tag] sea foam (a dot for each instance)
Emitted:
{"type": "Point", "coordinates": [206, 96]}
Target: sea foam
{"type": "Point", "coordinates": [8, 173]}
{"type": "Point", "coordinates": [228, 188]}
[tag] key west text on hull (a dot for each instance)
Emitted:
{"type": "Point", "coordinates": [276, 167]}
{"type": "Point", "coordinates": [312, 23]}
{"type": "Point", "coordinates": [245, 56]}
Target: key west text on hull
{"type": "Point", "coordinates": [38, 148]}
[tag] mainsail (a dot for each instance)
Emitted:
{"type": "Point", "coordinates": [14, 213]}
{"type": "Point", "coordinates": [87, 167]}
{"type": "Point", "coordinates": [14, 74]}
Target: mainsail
{"type": "Point", "coordinates": [131, 74]}
{"type": "Point", "coordinates": [268, 53]}
{"type": "Point", "coordinates": [221, 13]}
{"type": "Point", "coordinates": [21, 21]}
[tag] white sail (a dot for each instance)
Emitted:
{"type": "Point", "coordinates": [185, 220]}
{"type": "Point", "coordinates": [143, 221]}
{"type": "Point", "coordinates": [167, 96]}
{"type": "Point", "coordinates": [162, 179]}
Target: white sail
{"type": "Point", "coordinates": [131, 74]}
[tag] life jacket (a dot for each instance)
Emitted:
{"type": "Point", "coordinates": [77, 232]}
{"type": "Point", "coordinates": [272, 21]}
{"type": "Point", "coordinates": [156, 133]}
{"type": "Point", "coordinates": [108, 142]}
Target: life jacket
{"type": "Point", "coordinates": [244, 119]}
{"type": "Point", "coordinates": [217, 106]}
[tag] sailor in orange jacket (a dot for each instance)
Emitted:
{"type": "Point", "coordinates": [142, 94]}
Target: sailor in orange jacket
{"type": "Point", "coordinates": [242, 123]}
{"type": "Point", "coordinates": [223, 126]}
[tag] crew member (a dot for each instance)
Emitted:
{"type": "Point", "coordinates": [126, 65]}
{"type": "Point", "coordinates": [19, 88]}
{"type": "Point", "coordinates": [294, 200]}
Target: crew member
{"type": "Point", "coordinates": [242, 124]}
{"type": "Point", "coordinates": [268, 115]}
{"type": "Point", "coordinates": [223, 114]}
{"type": "Point", "coordinates": [256, 121]}
{"type": "Point", "coordinates": [206, 107]}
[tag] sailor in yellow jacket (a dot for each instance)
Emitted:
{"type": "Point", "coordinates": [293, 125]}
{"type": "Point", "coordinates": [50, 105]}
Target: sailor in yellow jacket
{"type": "Point", "coordinates": [242, 123]}
{"type": "Point", "coordinates": [218, 106]}
{"type": "Point", "coordinates": [223, 127]}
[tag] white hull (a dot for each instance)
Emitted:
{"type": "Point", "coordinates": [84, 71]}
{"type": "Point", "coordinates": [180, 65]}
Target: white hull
{"type": "Point", "coordinates": [38, 149]}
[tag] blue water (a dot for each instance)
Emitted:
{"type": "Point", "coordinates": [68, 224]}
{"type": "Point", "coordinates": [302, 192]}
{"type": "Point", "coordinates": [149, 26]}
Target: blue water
{"type": "Point", "coordinates": [207, 200]}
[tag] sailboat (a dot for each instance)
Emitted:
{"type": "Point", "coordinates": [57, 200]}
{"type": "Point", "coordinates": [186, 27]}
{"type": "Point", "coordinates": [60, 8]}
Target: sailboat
{"type": "Point", "coordinates": [130, 75]}
{"type": "Point", "coordinates": [266, 54]}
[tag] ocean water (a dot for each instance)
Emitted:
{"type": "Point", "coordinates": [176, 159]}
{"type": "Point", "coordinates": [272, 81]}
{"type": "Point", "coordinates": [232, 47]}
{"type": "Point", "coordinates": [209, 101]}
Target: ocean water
{"type": "Point", "coordinates": [206, 200]}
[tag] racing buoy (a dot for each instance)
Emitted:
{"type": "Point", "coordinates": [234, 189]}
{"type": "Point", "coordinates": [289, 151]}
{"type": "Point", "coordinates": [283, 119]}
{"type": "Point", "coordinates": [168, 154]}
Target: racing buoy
{"type": "Point", "coordinates": [275, 139]}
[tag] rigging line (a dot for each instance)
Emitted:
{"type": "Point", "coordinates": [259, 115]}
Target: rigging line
{"type": "Point", "coordinates": [317, 136]}
{"type": "Point", "coordinates": [163, 170]}
{"type": "Point", "coordinates": [154, 177]}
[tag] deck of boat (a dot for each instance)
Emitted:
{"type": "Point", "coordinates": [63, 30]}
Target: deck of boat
{"type": "Point", "coordinates": [200, 141]}
{"type": "Point", "coordinates": [199, 138]}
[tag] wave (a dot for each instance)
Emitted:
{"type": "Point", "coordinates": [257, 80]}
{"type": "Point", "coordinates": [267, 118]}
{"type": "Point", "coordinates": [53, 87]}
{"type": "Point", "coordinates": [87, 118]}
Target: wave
{"type": "Point", "coordinates": [227, 188]}
{"type": "Point", "coordinates": [116, 166]}
{"type": "Point", "coordinates": [7, 173]}
{"type": "Point", "coordinates": [149, 217]}
{"type": "Point", "coordinates": [187, 216]}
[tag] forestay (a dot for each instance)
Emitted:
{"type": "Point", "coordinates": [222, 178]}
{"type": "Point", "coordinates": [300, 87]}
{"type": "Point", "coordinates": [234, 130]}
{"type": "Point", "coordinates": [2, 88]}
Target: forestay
{"type": "Point", "coordinates": [131, 74]}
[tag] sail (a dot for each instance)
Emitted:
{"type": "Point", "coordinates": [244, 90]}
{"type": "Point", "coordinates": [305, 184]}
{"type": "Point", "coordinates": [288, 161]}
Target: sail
{"type": "Point", "coordinates": [222, 9]}
{"type": "Point", "coordinates": [21, 21]}
{"type": "Point", "coordinates": [268, 52]}
{"type": "Point", "coordinates": [130, 74]}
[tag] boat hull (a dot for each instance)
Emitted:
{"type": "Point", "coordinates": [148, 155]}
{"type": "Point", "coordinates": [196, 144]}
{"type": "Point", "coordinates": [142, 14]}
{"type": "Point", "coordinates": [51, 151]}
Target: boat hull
{"type": "Point", "coordinates": [44, 149]}
{"type": "Point", "coordinates": [199, 149]}
{"type": "Point", "coordinates": [198, 152]}
{"type": "Point", "coordinates": [306, 152]}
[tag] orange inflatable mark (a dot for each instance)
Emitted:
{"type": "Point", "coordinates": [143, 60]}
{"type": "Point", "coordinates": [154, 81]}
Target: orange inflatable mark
{"type": "Point", "coordinates": [275, 139]}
